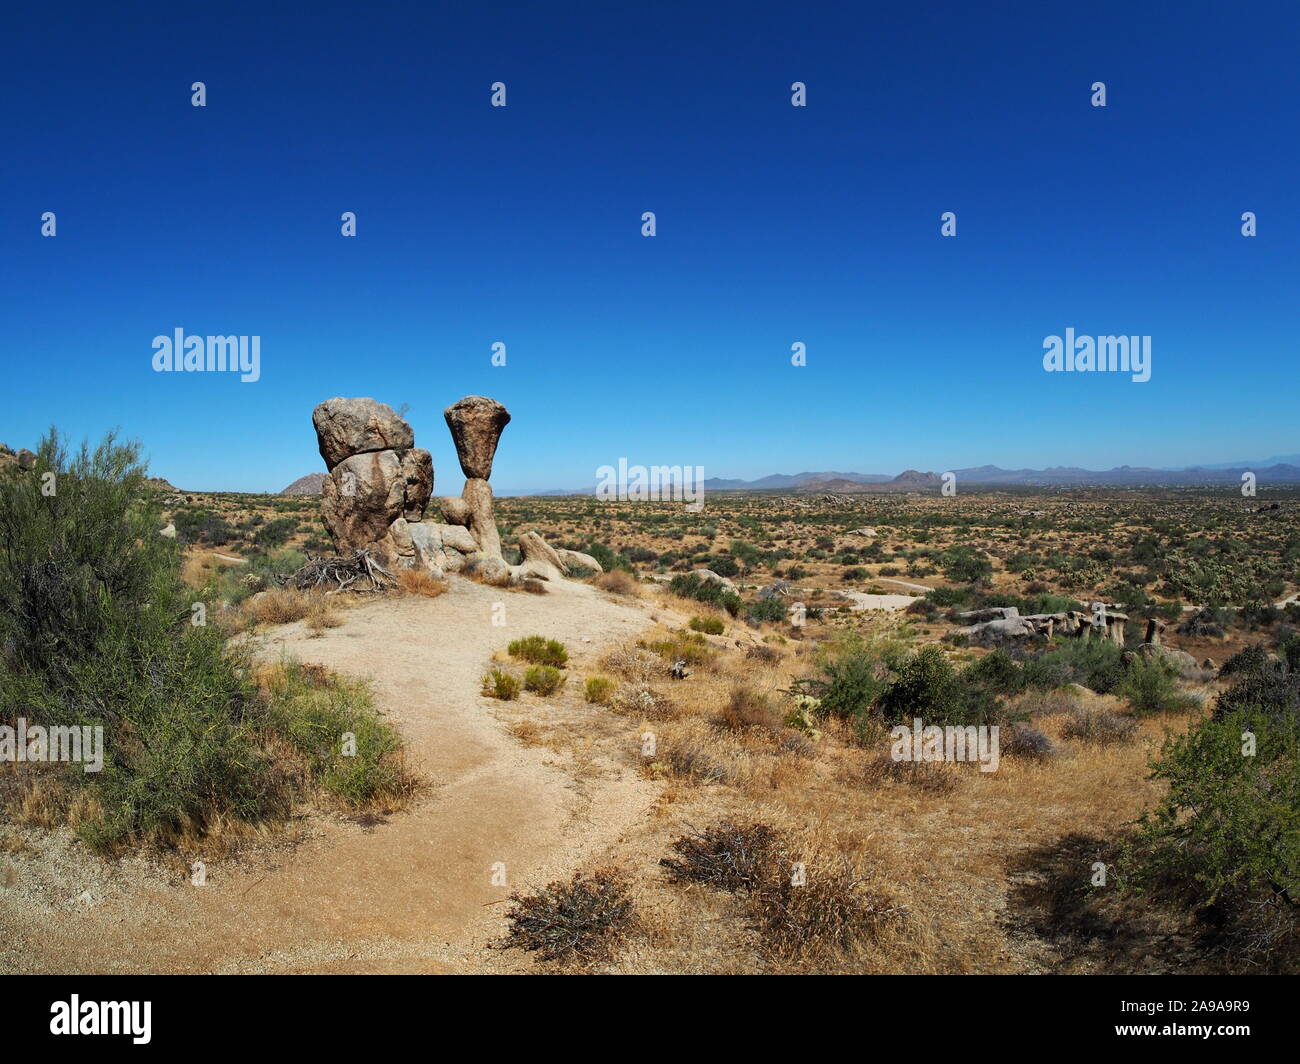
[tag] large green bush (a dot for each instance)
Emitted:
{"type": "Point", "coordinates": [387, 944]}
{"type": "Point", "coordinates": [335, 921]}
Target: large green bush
{"type": "Point", "coordinates": [1227, 831]}
{"type": "Point", "coordinates": [96, 630]}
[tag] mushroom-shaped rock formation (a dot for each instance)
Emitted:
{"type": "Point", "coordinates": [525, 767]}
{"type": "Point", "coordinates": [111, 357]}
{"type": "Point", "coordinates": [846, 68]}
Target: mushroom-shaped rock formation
{"type": "Point", "coordinates": [476, 423]}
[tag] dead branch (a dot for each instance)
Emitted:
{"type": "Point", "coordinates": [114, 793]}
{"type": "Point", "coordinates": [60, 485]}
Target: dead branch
{"type": "Point", "coordinates": [362, 573]}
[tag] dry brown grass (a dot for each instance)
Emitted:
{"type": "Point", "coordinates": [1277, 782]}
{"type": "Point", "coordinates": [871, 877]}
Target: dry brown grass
{"type": "Point", "coordinates": [280, 605]}
{"type": "Point", "coordinates": [420, 582]}
{"type": "Point", "coordinates": [945, 843]}
{"type": "Point", "coordinates": [618, 582]}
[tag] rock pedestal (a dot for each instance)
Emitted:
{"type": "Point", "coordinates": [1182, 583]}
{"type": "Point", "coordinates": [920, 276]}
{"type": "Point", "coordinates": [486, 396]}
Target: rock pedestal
{"type": "Point", "coordinates": [476, 423]}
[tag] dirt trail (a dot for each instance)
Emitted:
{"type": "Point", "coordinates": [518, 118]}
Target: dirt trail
{"type": "Point", "coordinates": [411, 894]}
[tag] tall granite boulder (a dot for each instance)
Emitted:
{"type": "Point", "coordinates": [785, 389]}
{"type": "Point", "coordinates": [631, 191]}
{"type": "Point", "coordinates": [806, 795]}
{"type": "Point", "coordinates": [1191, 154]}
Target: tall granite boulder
{"type": "Point", "coordinates": [378, 485]}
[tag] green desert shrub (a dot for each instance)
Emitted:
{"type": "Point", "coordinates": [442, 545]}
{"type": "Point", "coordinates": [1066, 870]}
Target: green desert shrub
{"type": "Point", "coordinates": [692, 648]}
{"type": "Point", "coordinates": [964, 564]}
{"type": "Point", "coordinates": [539, 651]}
{"type": "Point", "coordinates": [598, 690]}
{"type": "Point", "coordinates": [95, 630]}
{"type": "Point", "coordinates": [1094, 663]}
{"type": "Point", "coordinates": [609, 560]}
{"type": "Point", "coordinates": [701, 589]}
{"type": "Point", "coordinates": [926, 686]}
{"type": "Point", "coordinates": [770, 610]}
{"type": "Point", "coordinates": [1148, 685]}
{"type": "Point", "coordinates": [500, 684]}
{"type": "Point", "coordinates": [351, 752]}
{"type": "Point", "coordinates": [543, 679]}
{"type": "Point", "coordinates": [707, 625]}
{"type": "Point", "coordinates": [851, 676]}
{"type": "Point", "coordinates": [1227, 832]}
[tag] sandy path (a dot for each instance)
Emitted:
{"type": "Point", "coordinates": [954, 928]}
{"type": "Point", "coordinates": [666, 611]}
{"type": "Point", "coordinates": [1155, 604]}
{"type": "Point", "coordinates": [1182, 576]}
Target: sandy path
{"type": "Point", "coordinates": [411, 894]}
{"type": "Point", "coordinates": [863, 600]}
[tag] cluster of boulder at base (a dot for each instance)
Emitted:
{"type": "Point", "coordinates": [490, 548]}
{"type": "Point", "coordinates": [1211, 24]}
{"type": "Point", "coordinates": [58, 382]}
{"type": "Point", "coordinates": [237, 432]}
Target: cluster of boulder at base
{"type": "Point", "coordinates": [377, 494]}
{"type": "Point", "coordinates": [1004, 624]}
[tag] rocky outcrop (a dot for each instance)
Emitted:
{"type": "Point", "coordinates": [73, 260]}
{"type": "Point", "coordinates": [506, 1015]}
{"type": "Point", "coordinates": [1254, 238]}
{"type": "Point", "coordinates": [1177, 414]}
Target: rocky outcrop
{"type": "Point", "coordinates": [1182, 661]}
{"type": "Point", "coordinates": [362, 497]}
{"type": "Point", "coordinates": [417, 477]}
{"type": "Point", "coordinates": [999, 630]}
{"type": "Point", "coordinates": [574, 559]}
{"type": "Point", "coordinates": [1155, 629]}
{"type": "Point", "coordinates": [379, 485]}
{"type": "Point", "coordinates": [713, 578]}
{"type": "Point", "coordinates": [539, 559]}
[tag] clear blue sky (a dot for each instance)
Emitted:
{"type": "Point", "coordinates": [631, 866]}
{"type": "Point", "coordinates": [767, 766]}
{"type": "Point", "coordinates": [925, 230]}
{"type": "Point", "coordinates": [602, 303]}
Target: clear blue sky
{"type": "Point", "coordinates": [775, 224]}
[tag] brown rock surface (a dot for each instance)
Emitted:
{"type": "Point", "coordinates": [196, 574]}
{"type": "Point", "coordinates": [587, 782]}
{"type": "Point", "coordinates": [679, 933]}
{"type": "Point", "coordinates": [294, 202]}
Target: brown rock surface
{"type": "Point", "coordinates": [361, 498]}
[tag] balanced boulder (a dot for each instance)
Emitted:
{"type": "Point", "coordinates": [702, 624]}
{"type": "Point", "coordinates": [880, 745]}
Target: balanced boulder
{"type": "Point", "coordinates": [345, 427]}
{"type": "Point", "coordinates": [476, 423]}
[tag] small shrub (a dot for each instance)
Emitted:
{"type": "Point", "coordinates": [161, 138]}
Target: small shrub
{"type": "Point", "coordinates": [725, 856]}
{"type": "Point", "coordinates": [827, 908]}
{"type": "Point", "coordinates": [618, 582]}
{"type": "Point", "coordinates": [1021, 740]}
{"type": "Point", "coordinates": [1250, 659]}
{"type": "Point", "coordinates": [280, 605]}
{"type": "Point", "coordinates": [693, 649]}
{"type": "Point", "coordinates": [691, 586]}
{"type": "Point", "coordinates": [707, 625]}
{"type": "Point", "coordinates": [1149, 687]}
{"type": "Point", "coordinates": [538, 650]}
{"type": "Point", "coordinates": [770, 610]}
{"type": "Point", "coordinates": [598, 690]}
{"type": "Point", "coordinates": [1099, 726]}
{"type": "Point", "coordinates": [1094, 663]}
{"type": "Point", "coordinates": [543, 679]}
{"type": "Point", "coordinates": [500, 684]}
{"type": "Point", "coordinates": [746, 708]}
{"type": "Point", "coordinates": [351, 753]}
{"type": "Point", "coordinates": [1228, 829]}
{"type": "Point", "coordinates": [420, 582]}
{"type": "Point", "coordinates": [582, 920]}
{"type": "Point", "coordinates": [689, 760]}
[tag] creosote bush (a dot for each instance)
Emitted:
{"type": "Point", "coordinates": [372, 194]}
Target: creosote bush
{"type": "Point", "coordinates": [1148, 685]}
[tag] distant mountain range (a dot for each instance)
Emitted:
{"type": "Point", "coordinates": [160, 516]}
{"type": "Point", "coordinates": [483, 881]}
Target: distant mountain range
{"type": "Point", "coordinates": [1280, 469]}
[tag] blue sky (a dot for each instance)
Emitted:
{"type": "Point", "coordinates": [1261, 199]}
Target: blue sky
{"type": "Point", "coordinates": [776, 224]}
